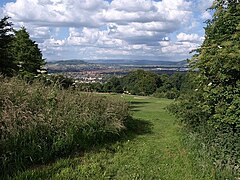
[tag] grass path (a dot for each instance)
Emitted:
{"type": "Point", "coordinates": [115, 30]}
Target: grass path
{"type": "Point", "coordinates": [158, 154]}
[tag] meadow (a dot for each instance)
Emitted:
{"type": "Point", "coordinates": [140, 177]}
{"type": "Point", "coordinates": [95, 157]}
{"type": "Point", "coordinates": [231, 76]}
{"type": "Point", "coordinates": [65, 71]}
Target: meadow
{"type": "Point", "coordinates": [152, 148]}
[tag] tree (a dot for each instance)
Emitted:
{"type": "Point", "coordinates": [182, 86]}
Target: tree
{"type": "Point", "coordinates": [113, 85]}
{"type": "Point", "coordinates": [218, 61]}
{"type": "Point", "coordinates": [141, 82]}
{"type": "Point", "coordinates": [7, 65]}
{"type": "Point", "coordinates": [26, 53]}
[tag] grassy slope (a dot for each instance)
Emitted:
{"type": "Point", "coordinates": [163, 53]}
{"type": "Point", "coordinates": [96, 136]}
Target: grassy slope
{"type": "Point", "coordinates": [158, 154]}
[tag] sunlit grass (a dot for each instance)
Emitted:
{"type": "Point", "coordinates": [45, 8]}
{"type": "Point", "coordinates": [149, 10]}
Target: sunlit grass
{"type": "Point", "coordinates": [155, 152]}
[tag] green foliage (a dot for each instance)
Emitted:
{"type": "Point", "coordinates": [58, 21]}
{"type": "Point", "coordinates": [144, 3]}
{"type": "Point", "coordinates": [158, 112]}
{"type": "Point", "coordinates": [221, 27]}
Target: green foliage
{"type": "Point", "coordinates": [97, 87]}
{"type": "Point", "coordinates": [18, 53]}
{"type": "Point", "coordinates": [172, 86]}
{"type": "Point", "coordinates": [214, 104]}
{"type": "Point", "coordinates": [219, 68]}
{"type": "Point", "coordinates": [40, 123]}
{"type": "Point", "coordinates": [141, 82]}
{"type": "Point", "coordinates": [113, 85]}
{"type": "Point", "coordinates": [90, 87]}
{"type": "Point", "coordinates": [7, 66]}
{"type": "Point", "coordinates": [26, 53]}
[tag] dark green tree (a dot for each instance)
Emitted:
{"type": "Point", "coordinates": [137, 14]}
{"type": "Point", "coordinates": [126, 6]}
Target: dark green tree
{"type": "Point", "coordinates": [113, 85]}
{"type": "Point", "coordinates": [7, 65]}
{"type": "Point", "coordinates": [172, 85]}
{"type": "Point", "coordinates": [97, 87]}
{"type": "Point", "coordinates": [26, 53]}
{"type": "Point", "coordinates": [141, 82]}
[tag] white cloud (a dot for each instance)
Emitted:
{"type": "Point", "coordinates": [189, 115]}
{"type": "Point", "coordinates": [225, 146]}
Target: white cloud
{"type": "Point", "coordinates": [87, 37]}
{"type": "Point", "coordinates": [183, 37]}
{"type": "Point", "coordinates": [164, 43]}
{"type": "Point", "coordinates": [54, 43]}
{"type": "Point", "coordinates": [40, 33]}
{"type": "Point", "coordinates": [124, 11]}
{"type": "Point", "coordinates": [180, 48]}
{"type": "Point", "coordinates": [133, 6]}
{"type": "Point", "coordinates": [102, 29]}
{"type": "Point", "coordinates": [57, 12]}
{"type": "Point", "coordinates": [166, 27]}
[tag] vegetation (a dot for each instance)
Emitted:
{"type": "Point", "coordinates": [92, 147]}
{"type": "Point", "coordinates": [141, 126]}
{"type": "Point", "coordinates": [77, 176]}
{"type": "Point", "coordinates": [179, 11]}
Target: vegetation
{"type": "Point", "coordinates": [143, 83]}
{"type": "Point", "coordinates": [41, 123]}
{"type": "Point", "coordinates": [212, 109]}
{"type": "Point", "coordinates": [172, 86]}
{"type": "Point", "coordinates": [208, 101]}
{"type": "Point", "coordinates": [7, 65]}
{"type": "Point", "coordinates": [18, 53]}
{"type": "Point", "coordinates": [26, 53]}
{"type": "Point", "coordinates": [113, 85]}
{"type": "Point", "coordinates": [153, 149]}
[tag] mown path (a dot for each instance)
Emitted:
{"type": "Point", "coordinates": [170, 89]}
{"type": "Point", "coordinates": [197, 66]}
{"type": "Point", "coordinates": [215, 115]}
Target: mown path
{"type": "Point", "coordinates": [155, 154]}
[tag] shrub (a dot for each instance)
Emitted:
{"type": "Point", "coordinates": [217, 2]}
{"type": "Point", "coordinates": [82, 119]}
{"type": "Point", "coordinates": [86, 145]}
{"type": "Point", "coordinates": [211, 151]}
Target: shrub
{"type": "Point", "coordinates": [221, 142]}
{"type": "Point", "coordinates": [39, 123]}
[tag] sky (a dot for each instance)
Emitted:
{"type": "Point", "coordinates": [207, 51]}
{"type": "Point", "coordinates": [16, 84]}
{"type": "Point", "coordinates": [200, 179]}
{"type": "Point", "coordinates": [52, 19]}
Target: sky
{"type": "Point", "coordinates": [111, 29]}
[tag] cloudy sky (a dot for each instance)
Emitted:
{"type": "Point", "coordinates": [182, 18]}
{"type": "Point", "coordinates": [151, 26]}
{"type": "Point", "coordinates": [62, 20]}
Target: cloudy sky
{"type": "Point", "coordinates": [111, 29]}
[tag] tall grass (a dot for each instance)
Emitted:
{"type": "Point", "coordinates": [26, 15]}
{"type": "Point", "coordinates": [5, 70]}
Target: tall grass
{"type": "Point", "coordinates": [40, 123]}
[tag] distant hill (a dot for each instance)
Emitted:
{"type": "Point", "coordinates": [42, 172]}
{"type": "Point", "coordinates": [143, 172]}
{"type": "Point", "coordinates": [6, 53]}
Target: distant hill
{"type": "Point", "coordinates": [183, 63]}
{"type": "Point", "coordinates": [140, 62]}
{"type": "Point", "coordinates": [164, 63]}
{"type": "Point", "coordinates": [68, 62]}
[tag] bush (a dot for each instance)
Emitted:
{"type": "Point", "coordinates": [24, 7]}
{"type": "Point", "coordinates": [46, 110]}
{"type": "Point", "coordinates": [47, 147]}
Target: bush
{"type": "Point", "coordinates": [222, 143]}
{"type": "Point", "coordinates": [39, 123]}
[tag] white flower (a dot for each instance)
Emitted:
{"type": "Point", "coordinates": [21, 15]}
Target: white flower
{"type": "Point", "coordinates": [210, 84]}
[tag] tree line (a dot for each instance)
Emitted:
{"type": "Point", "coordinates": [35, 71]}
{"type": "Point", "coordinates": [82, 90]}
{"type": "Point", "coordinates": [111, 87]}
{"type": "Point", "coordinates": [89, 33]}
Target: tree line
{"type": "Point", "coordinates": [145, 83]}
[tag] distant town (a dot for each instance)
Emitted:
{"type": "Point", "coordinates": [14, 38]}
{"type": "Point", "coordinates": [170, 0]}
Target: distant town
{"type": "Point", "coordinates": [101, 70]}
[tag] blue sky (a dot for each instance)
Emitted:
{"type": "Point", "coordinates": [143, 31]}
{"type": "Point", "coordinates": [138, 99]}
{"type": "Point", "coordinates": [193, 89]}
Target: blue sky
{"type": "Point", "coordinates": [113, 29]}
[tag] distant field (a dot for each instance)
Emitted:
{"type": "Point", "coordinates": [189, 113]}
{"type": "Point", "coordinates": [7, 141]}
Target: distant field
{"type": "Point", "coordinates": [153, 151]}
